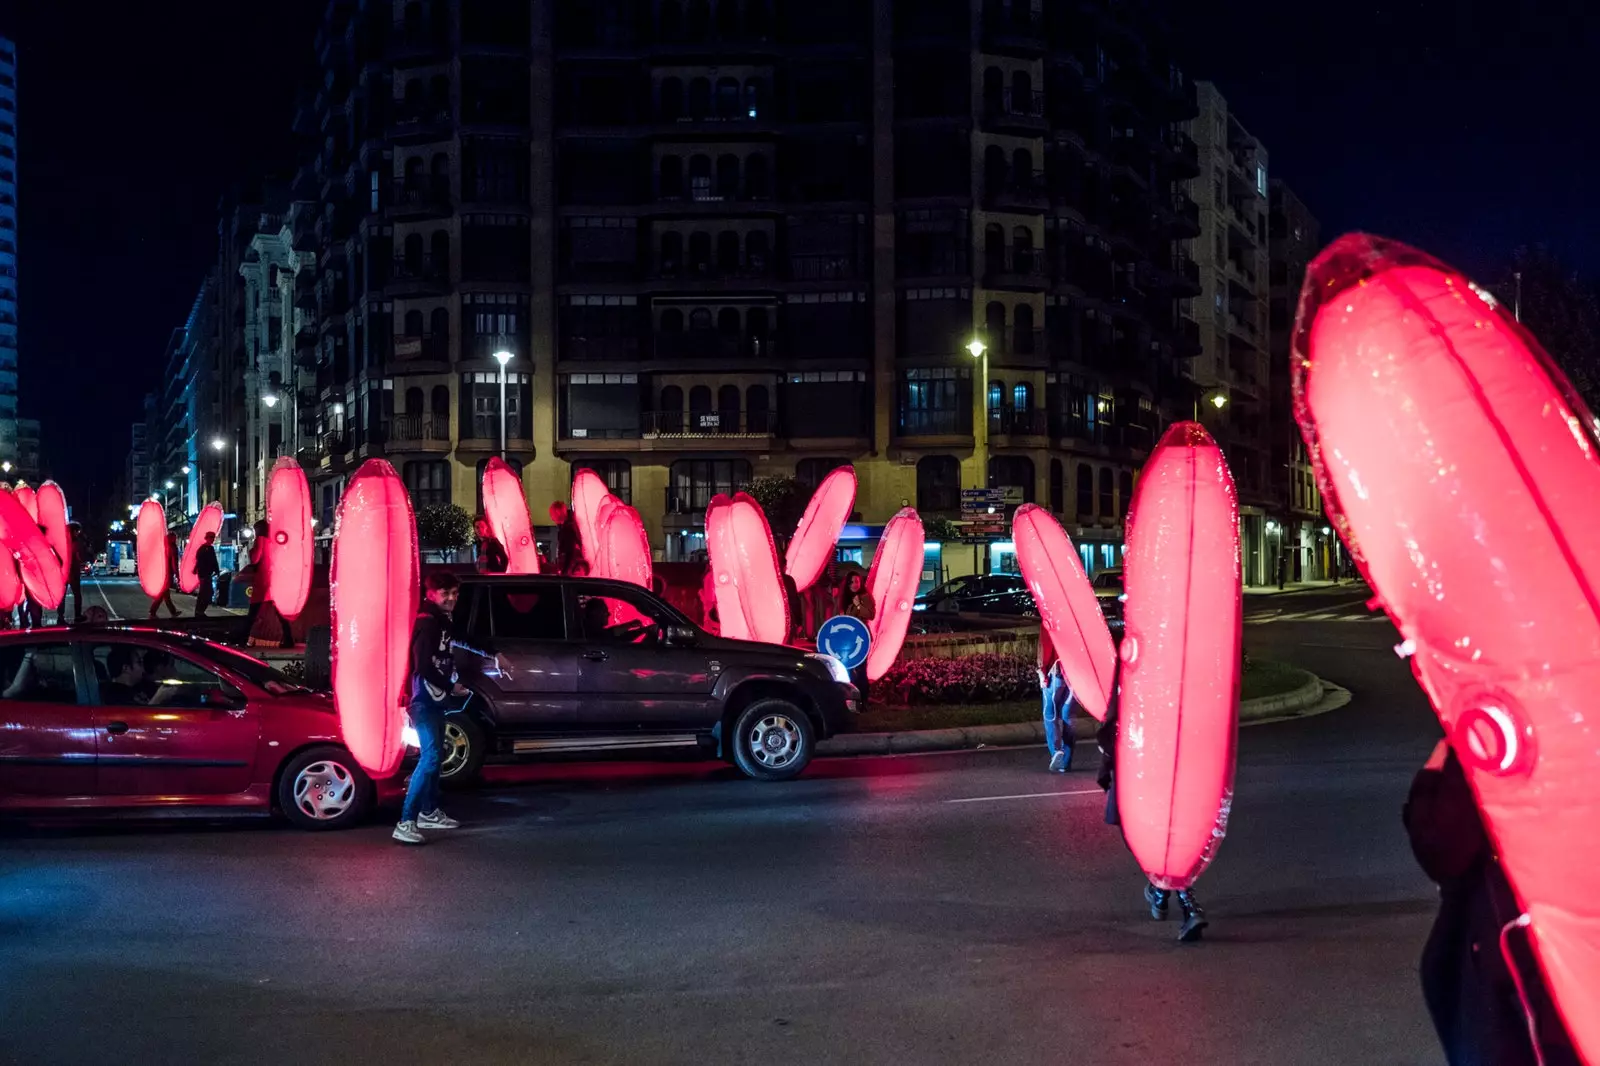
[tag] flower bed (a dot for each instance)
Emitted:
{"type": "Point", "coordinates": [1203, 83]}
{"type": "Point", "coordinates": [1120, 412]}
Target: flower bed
{"type": "Point", "coordinates": [966, 679]}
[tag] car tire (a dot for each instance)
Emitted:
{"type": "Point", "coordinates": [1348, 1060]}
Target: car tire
{"type": "Point", "coordinates": [325, 788]}
{"type": "Point", "coordinates": [772, 740]}
{"type": "Point", "coordinates": [466, 745]}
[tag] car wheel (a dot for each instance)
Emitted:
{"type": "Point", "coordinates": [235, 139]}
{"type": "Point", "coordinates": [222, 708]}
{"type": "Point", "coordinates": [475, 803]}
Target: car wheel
{"type": "Point", "coordinates": [466, 745]}
{"type": "Point", "coordinates": [772, 740]}
{"type": "Point", "coordinates": [324, 788]}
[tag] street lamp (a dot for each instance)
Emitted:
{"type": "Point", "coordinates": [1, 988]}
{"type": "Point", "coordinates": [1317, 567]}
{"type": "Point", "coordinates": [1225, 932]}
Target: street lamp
{"type": "Point", "coordinates": [502, 357]}
{"type": "Point", "coordinates": [6, 466]}
{"type": "Point", "coordinates": [1219, 401]}
{"type": "Point", "coordinates": [270, 399]}
{"type": "Point", "coordinates": [980, 351]}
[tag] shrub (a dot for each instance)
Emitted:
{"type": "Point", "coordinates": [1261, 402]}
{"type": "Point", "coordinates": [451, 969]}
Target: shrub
{"type": "Point", "coordinates": [968, 679]}
{"type": "Point", "coordinates": [444, 527]}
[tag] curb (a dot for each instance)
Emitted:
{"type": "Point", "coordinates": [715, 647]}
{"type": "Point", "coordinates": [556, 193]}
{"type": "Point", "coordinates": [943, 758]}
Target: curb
{"type": "Point", "coordinates": [1016, 734]}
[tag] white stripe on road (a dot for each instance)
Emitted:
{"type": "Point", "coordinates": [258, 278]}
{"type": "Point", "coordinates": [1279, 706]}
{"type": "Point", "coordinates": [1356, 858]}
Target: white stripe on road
{"type": "Point", "coordinates": [1027, 796]}
{"type": "Point", "coordinates": [112, 611]}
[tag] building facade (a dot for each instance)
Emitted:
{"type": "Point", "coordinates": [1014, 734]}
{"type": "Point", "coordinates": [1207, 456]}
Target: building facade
{"type": "Point", "coordinates": [721, 240]}
{"type": "Point", "coordinates": [1232, 374]}
{"type": "Point", "coordinates": [1305, 538]}
{"type": "Point", "coordinates": [9, 443]}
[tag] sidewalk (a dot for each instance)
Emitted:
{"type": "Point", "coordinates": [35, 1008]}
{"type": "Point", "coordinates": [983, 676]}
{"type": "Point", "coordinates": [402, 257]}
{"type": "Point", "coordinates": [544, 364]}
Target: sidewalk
{"type": "Point", "coordinates": [1349, 584]}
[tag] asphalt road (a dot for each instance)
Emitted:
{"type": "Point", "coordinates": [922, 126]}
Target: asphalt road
{"type": "Point", "coordinates": [938, 909]}
{"type": "Point", "coordinates": [123, 598]}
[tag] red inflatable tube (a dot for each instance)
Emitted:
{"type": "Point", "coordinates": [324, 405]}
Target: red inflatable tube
{"type": "Point", "coordinates": [588, 493]}
{"type": "Point", "coordinates": [11, 590]}
{"type": "Point", "coordinates": [1179, 715]}
{"type": "Point", "coordinates": [150, 542]}
{"type": "Point", "coordinates": [374, 603]}
{"type": "Point", "coordinates": [505, 505]}
{"type": "Point", "coordinates": [290, 538]}
{"type": "Point", "coordinates": [209, 520]}
{"type": "Point", "coordinates": [744, 563]}
{"type": "Point", "coordinates": [1462, 471]}
{"type": "Point", "coordinates": [817, 534]}
{"type": "Point", "coordinates": [896, 571]}
{"type": "Point", "coordinates": [51, 512]}
{"type": "Point", "coordinates": [1067, 606]}
{"type": "Point", "coordinates": [625, 545]}
{"type": "Point", "coordinates": [29, 500]}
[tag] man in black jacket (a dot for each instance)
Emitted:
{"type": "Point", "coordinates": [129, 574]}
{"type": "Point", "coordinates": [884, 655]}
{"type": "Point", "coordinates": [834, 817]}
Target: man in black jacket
{"type": "Point", "coordinates": [205, 568]}
{"type": "Point", "coordinates": [433, 681]}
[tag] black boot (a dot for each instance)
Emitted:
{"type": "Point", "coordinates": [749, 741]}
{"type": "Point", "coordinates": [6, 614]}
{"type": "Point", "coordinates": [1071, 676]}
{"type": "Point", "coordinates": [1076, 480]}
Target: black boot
{"type": "Point", "coordinates": [1157, 898]}
{"type": "Point", "coordinates": [1194, 919]}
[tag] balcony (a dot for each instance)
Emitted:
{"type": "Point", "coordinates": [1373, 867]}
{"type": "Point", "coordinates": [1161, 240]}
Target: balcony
{"type": "Point", "coordinates": [711, 425]}
{"type": "Point", "coordinates": [305, 340]}
{"type": "Point", "coordinates": [1183, 154]}
{"type": "Point", "coordinates": [1012, 341]}
{"type": "Point", "coordinates": [1010, 111]}
{"type": "Point", "coordinates": [305, 290]}
{"type": "Point", "coordinates": [1186, 276]}
{"type": "Point", "coordinates": [1185, 216]}
{"type": "Point", "coordinates": [1188, 338]}
{"type": "Point", "coordinates": [485, 426]}
{"type": "Point", "coordinates": [710, 271]}
{"type": "Point", "coordinates": [420, 274]}
{"type": "Point", "coordinates": [1011, 191]}
{"type": "Point", "coordinates": [824, 268]}
{"type": "Point", "coordinates": [1009, 422]}
{"type": "Point", "coordinates": [711, 345]}
{"type": "Point", "coordinates": [937, 422]}
{"type": "Point", "coordinates": [428, 347]}
{"type": "Point", "coordinates": [1017, 268]}
{"type": "Point", "coordinates": [599, 347]}
{"type": "Point", "coordinates": [1017, 30]}
{"type": "Point", "coordinates": [425, 431]}
{"type": "Point", "coordinates": [416, 198]}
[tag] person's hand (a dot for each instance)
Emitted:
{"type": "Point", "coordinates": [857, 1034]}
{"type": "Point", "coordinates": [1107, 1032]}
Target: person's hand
{"type": "Point", "coordinates": [461, 690]}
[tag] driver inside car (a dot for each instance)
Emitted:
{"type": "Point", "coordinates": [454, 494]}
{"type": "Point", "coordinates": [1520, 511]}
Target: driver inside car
{"type": "Point", "coordinates": [631, 627]}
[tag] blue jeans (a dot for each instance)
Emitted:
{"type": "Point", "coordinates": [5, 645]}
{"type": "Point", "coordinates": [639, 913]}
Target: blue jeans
{"type": "Point", "coordinates": [422, 794]}
{"type": "Point", "coordinates": [1057, 705]}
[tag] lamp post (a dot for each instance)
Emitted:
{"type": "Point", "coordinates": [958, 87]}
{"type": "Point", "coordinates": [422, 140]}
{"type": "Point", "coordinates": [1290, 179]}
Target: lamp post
{"type": "Point", "coordinates": [502, 357]}
{"type": "Point", "coordinates": [980, 351]}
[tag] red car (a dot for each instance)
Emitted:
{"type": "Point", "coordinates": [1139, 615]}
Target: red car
{"type": "Point", "coordinates": [106, 718]}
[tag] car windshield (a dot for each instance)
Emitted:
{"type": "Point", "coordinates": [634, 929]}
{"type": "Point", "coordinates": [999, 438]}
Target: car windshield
{"type": "Point", "coordinates": [1111, 579]}
{"type": "Point", "coordinates": [251, 669]}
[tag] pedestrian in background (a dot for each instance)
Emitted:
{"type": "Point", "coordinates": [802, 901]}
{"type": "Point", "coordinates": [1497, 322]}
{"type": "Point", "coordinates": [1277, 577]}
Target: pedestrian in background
{"type": "Point", "coordinates": [258, 591]}
{"type": "Point", "coordinates": [78, 557]}
{"type": "Point", "coordinates": [491, 554]}
{"type": "Point", "coordinates": [798, 631]}
{"type": "Point", "coordinates": [205, 568]}
{"type": "Point", "coordinates": [1057, 705]}
{"type": "Point", "coordinates": [569, 546]}
{"type": "Point", "coordinates": [856, 601]}
{"type": "Point", "coordinates": [172, 579]}
{"type": "Point", "coordinates": [433, 682]}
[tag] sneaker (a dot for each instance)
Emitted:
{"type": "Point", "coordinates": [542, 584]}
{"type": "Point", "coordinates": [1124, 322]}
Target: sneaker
{"type": "Point", "coordinates": [406, 833]}
{"type": "Point", "coordinates": [436, 819]}
{"type": "Point", "coordinates": [1059, 763]}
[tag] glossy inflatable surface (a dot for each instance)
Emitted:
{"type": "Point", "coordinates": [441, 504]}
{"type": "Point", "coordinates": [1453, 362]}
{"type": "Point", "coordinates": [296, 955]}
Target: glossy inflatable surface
{"type": "Point", "coordinates": [1067, 606]}
{"type": "Point", "coordinates": [588, 493]}
{"type": "Point", "coordinates": [896, 571]}
{"type": "Point", "coordinates": [1462, 471]}
{"type": "Point", "coordinates": [11, 590]}
{"type": "Point", "coordinates": [624, 545]}
{"type": "Point", "coordinates": [209, 520]}
{"type": "Point", "coordinates": [374, 602]}
{"type": "Point", "coordinates": [505, 505]}
{"type": "Point", "coordinates": [817, 533]}
{"type": "Point", "coordinates": [150, 541]}
{"type": "Point", "coordinates": [290, 538]}
{"type": "Point", "coordinates": [744, 563]}
{"type": "Point", "coordinates": [29, 500]}
{"type": "Point", "coordinates": [1179, 685]}
{"type": "Point", "coordinates": [51, 511]}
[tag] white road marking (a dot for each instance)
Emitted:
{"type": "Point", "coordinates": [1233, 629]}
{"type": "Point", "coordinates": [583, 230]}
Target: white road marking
{"type": "Point", "coordinates": [1027, 796]}
{"type": "Point", "coordinates": [112, 611]}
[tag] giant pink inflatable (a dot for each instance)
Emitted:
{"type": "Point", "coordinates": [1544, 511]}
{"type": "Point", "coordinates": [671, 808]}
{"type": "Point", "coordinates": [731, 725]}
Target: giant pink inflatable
{"type": "Point", "coordinates": [896, 571]}
{"type": "Point", "coordinates": [51, 512]}
{"type": "Point", "coordinates": [290, 540]}
{"type": "Point", "coordinates": [817, 534]}
{"type": "Point", "coordinates": [1068, 607]}
{"type": "Point", "coordinates": [1179, 684]}
{"type": "Point", "coordinates": [744, 563]}
{"type": "Point", "coordinates": [505, 506]}
{"type": "Point", "coordinates": [29, 500]}
{"type": "Point", "coordinates": [588, 493]}
{"type": "Point", "coordinates": [374, 603]}
{"type": "Point", "coordinates": [1464, 474]}
{"type": "Point", "coordinates": [209, 520]}
{"type": "Point", "coordinates": [624, 545]}
{"type": "Point", "coordinates": [11, 590]}
{"type": "Point", "coordinates": [150, 536]}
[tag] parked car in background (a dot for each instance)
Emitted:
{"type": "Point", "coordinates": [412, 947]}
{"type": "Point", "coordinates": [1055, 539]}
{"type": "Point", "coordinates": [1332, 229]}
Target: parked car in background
{"type": "Point", "coordinates": [125, 718]}
{"type": "Point", "coordinates": [980, 594]}
{"type": "Point", "coordinates": [568, 665]}
{"type": "Point", "coordinates": [1108, 583]}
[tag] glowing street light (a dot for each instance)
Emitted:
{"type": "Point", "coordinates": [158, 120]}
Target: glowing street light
{"type": "Point", "coordinates": [1219, 401]}
{"type": "Point", "coordinates": [270, 399]}
{"type": "Point", "coordinates": [217, 444]}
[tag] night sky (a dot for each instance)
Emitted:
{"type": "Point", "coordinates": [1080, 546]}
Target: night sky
{"type": "Point", "coordinates": [1466, 128]}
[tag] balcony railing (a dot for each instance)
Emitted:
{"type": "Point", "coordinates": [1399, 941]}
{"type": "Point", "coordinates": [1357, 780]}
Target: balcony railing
{"type": "Point", "coordinates": [429, 346]}
{"type": "Point", "coordinates": [1013, 341]}
{"type": "Point", "coordinates": [419, 428]}
{"type": "Point", "coordinates": [421, 270]}
{"type": "Point", "coordinates": [1013, 109]}
{"type": "Point", "coordinates": [422, 196]}
{"type": "Point", "coordinates": [1017, 190]}
{"type": "Point", "coordinates": [1032, 422]}
{"type": "Point", "coordinates": [612, 346]}
{"type": "Point", "coordinates": [824, 268]}
{"type": "Point", "coordinates": [929, 422]}
{"type": "Point", "coordinates": [709, 423]}
{"type": "Point", "coordinates": [710, 270]}
{"type": "Point", "coordinates": [485, 425]}
{"type": "Point", "coordinates": [711, 345]}
{"type": "Point", "coordinates": [1016, 268]}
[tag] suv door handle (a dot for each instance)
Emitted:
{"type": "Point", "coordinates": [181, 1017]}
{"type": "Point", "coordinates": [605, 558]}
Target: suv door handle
{"type": "Point", "coordinates": [594, 655]}
{"type": "Point", "coordinates": [116, 728]}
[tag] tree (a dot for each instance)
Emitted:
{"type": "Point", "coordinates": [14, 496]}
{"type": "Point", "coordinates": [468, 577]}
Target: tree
{"type": "Point", "coordinates": [940, 530]}
{"type": "Point", "coordinates": [1561, 311]}
{"type": "Point", "coordinates": [444, 527]}
{"type": "Point", "coordinates": [784, 500]}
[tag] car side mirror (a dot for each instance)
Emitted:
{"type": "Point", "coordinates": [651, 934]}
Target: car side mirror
{"type": "Point", "coordinates": [682, 636]}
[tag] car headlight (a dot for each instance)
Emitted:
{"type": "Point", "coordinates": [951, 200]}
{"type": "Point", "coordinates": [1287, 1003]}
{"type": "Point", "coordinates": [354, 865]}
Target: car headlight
{"type": "Point", "coordinates": [408, 737]}
{"type": "Point", "coordinates": [836, 668]}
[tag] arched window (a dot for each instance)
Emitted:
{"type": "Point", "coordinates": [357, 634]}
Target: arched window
{"type": "Point", "coordinates": [756, 415]}
{"type": "Point", "coordinates": [672, 322]}
{"type": "Point", "coordinates": [752, 98]}
{"type": "Point", "coordinates": [700, 253]}
{"type": "Point", "coordinates": [1124, 493]}
{"type": "Point", "coordinates": [439, 181]}
{"type": "Point", "coordinates": [700, 400]}
{"type": "Point", "coordinates": [994, 326]}
{"type": "Point", "coordinates": [728, 408]}
{"type": "Point", "coordinates": [616, 473]}
{"type": "Point", "coordinates": [439, 324]}
{"type": "Point", "coordinates": [994, 248]}
{"type": "Point", "coordinates": [439, 95]}
{"type": "Point", "coordinates": [1021, 92]}
{"type": "Point", "coordinates": [757, 175]}
{"type": "Point", "coordinates": [1022, 166]}
{"type": "Point", "coordinates": [413, 401]}
{"type": "Point", "coordinates": [413, 323]}
{"type": "Point", "coordinates": [700, 177]}
{"type": "Point", "coordinates": [728, 177]}
{"type": "Point", "coordinates": [415, 98]}
{"type": "Point", "coordinates": [1021, 243]}
{"type": "Point", "coordinates": [439, 247]}
{"type": "Point", "coordinates": [1058, 486]}
{"type": "Point", "coordinates": [994, 169]}
{"type": "Point", "coordinates": [671, 414]}
{"type": "Point", "coordinates": [993, 90]}
{"type": "Point", "coordinates": [755, 326]}
{"type": "Point", "coordinates": [728, 322]}
{"type": "Point", "coordinates": [413, 178]}
{"type": "Point", "coordinates": [1085, 478]}
{"type": "Point", "coordinates": [1022, 329]}
{"type": "Point", "coordinates": [1014, 472]}
{"type": "Point", "coordinates": [671, 176]}
{"type": "Point", "coordinates": [671, 252]}
{"type": "Point", "coordinates": [810, 472]}
{"type": "Point", "coordinates": [700, 320]}
{"type": "Point", "coordinates": [755, 250]}
{"type": "Point", "coordinates": [440, 402]}
{"type": "Point", "coordinates": [413, 255]}
{"type": "Point", "coordinates": [1022, 397]}
{"type": "Point", "coordinates": [1108, 499]}
{"type": "Point", "coordinates": [996, 397]}
{"type": "Point", "coordinates": [671, 99]}
{"type": "Point", "coordinates": [938, 483]}
{"type": "Point", "coordinates": [727, 252]}
{"type": "Point", "coordinates": [698, 23]}
{"type": "Point", "coordinates": [670, 20]}
{"type": "Point", "coordinates": [727, 95]}
{"type": "Point", "coordinates": [727, 19]}
{"type": "Point", "coordinates": [699, 98]}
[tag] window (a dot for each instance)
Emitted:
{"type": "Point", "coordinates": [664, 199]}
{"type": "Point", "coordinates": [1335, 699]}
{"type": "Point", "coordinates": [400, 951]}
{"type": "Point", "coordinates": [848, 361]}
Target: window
{"type": "Point", "coordinates": [695, 481]}
{"type": "Point", "coordinates": [810, 472]}
{"type": "Point", "coordinates": [1058, 486]}
{"type": "Point", "coordinates": [163, 679]}
{"type": "Point", "coordinates": [617, 473]}
{"type": "Point", "coordinates": [1108, 503]}
{"type": "Point", "coordinates": [1124, 492]}
{"type": "Point", "coordinates": [617, 619]}
{"type": "Point", "coordinates": [1085, 478]}
{"type": "Point", "coordinates": [428, 482]}
{"type": "Point", "coordinates": [525, 612]}
{"type": "Point", "coordinates": [1022, 398]}
{"type": "Point", "coordinates": [38, 673]}
{"type": "Point", "coordinates": [938, 483]}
